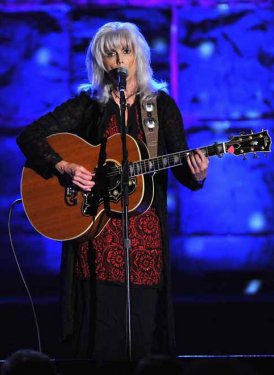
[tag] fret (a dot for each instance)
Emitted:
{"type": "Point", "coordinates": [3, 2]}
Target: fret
{"type": "Point", "coordinates": [143, 166]}
{"type": "Point", "coordinates": [176, 159]}
{"type": "Point", "coordinates": [131, 170]}
{"type": "Point", "coordinates": [165, 163]}
{"type": "Point", "coordinates": [138, 168]}
{"type": "Point", "coordinates": [156, 164]}
{"type": "Point", "coordinates": [160, 162]}
{"type": "Point", "coordinates": [150, 166]}
{"type": "Point", "coordinates": [205, 151]}
{"type": "Point", "coordinates": [135, 170]}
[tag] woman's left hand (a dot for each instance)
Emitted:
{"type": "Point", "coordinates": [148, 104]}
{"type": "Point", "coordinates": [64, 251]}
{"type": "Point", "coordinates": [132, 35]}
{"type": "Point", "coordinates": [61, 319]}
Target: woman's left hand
{"type": "Point", "coordinates": [198, 164]}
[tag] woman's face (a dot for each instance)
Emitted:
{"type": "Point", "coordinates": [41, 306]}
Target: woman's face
{"type": "Point", "coordinates": [121, 57]}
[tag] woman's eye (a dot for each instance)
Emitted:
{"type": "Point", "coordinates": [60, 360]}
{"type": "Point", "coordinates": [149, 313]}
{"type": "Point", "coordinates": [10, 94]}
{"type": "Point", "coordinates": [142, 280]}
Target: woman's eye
{"type": "Point", "coordinates": [127, 51]}
{"type": "Point", "coordinates": [110, 53]}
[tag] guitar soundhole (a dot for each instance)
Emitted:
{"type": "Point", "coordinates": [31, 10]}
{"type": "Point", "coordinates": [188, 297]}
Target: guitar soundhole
{"type": "Point", "coordinates": [107, 189]}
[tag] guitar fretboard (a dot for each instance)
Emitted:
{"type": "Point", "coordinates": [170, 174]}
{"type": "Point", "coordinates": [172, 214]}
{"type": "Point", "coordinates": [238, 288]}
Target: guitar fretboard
{"type": "Point", "coordinates": [240, 145]}
{"type": "Point", "coordinates": [170, 160]}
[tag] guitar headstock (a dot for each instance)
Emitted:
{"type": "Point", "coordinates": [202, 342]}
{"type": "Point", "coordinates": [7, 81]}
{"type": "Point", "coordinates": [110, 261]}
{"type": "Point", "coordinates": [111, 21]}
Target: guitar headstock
{"type": "Point", "coordinates": [249, 143]}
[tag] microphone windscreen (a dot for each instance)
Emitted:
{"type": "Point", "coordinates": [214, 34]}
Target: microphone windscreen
{"type": "Point", "coordinates": [122, 71]}
{"type": "Point", "coordinates": [119, 75]}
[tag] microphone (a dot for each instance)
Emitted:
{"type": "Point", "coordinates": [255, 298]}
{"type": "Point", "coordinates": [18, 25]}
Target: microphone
{"type": "Point", "coordinates": [119, 75]}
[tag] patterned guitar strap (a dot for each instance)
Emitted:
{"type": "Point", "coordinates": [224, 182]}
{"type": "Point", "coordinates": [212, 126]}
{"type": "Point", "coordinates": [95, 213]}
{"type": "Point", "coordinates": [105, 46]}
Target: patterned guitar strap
{"type": "Point", "coordinates": [150, 123]}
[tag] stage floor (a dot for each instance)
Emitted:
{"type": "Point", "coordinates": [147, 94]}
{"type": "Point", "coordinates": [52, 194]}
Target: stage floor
{"type": "Point", "coordinates": [209, 333]}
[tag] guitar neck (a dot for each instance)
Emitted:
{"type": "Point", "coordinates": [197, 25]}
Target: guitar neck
{"type": "Point", "coordinates": [171, 160]}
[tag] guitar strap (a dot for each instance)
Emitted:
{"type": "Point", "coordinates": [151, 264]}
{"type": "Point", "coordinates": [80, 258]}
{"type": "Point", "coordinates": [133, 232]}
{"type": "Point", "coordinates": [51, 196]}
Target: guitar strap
{"type": "Point", "coordinates": [149, 115]}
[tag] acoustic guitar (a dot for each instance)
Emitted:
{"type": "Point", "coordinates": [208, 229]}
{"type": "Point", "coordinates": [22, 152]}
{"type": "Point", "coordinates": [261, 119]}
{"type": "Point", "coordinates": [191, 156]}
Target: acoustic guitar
{"type": "Point", "coordinates": [59, 211]}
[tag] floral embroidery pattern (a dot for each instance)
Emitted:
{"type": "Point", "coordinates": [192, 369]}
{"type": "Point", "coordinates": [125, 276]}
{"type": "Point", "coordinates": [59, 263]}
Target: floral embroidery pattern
{"type": "Point", "coordinates": [145, 252]}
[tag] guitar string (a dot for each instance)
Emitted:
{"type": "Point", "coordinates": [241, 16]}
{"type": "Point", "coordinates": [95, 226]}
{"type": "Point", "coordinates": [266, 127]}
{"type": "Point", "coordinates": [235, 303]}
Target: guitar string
{"type": "Point", "coordinates": [147, 162]}
{"type": "Point", "coordinates": [168, 158]}
{"type": "Point", "coordinates": [159, 160]}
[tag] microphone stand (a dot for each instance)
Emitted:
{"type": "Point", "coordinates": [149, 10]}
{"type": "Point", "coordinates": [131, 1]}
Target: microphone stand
{"type": "Point", "coordinates": [127, 242]}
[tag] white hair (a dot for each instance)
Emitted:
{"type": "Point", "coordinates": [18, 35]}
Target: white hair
{"type": "Point", "coordinates": [108, 37]}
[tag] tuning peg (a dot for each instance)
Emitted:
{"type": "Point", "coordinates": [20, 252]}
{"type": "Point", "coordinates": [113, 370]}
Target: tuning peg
{"type": "Point", "coordinates": [244, 157]}
{"type": "Point", "coordinates": [255, 156]}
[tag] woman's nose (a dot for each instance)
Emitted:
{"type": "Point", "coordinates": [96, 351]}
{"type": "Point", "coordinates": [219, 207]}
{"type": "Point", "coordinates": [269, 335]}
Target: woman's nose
{"type": "Point", "coordinates": [119, 58]}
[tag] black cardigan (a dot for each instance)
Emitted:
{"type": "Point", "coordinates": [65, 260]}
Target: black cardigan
{"type": "Point", "coordinates": [87, 118]}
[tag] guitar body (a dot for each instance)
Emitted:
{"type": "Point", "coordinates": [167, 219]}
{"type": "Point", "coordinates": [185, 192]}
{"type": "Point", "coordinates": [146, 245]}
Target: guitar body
{"type": "Point", "coordinates": [59, 212]}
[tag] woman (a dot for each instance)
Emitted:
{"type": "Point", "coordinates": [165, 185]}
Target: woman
{"type": "Point", "coordinates": [93, 296]}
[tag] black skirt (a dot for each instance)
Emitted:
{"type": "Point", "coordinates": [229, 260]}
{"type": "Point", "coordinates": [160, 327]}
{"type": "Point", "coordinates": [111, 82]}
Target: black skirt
{"type": "Point", "coordinates": [101, 329]}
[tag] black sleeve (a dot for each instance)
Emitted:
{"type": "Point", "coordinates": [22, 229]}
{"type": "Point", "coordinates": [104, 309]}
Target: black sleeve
{"type": "Point", "coordinates": [175, 138]}
{"type": "Point", "coordinates": [33, 139]}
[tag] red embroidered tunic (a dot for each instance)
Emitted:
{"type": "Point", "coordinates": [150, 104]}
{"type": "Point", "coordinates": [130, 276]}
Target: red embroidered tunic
{"type": "Point", "coordinates": [146, 245]}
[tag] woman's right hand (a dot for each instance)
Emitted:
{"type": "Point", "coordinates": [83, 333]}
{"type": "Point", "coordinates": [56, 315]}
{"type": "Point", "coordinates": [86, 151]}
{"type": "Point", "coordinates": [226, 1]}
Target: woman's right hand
{"type": "Point", "coordinates": [80, 176]}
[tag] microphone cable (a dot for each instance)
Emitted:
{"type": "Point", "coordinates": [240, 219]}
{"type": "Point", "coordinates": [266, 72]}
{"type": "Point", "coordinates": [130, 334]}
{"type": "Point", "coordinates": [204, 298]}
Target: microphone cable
{"type": "Point", "coordinates": [22, 276]}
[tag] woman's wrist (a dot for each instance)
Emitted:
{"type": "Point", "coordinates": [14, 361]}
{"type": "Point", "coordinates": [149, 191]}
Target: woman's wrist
{"type": "Point", "coordinates": [61, 166]}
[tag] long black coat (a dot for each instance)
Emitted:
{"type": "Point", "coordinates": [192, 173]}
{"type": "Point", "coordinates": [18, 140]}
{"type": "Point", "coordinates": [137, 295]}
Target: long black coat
{"type": "Point", "coordinates": [87, 118]}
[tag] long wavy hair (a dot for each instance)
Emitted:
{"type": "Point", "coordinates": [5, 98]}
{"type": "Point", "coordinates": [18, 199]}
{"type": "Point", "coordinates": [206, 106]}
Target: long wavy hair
{"type": "Point", "coordinates": [111, 36]}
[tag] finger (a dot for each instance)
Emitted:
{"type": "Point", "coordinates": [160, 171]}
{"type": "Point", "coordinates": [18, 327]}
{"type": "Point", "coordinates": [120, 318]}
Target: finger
{"type": "Point", "coordinates": [190, 164]}
{"type": "Point", "coordinates": [204, 158]}
{"type": "Point", "coordinates": [200, 153]}
{"type": "Point", "coordinates": [82, 171]}
{"type": "Point", "coordinates": [83, 179]}
{"type": "Point", "coordinates": [201, 160]}
{"type": "Point", "coordinates": [195, 161]}
{"type": "Point", "coordinates": [87, 185]}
